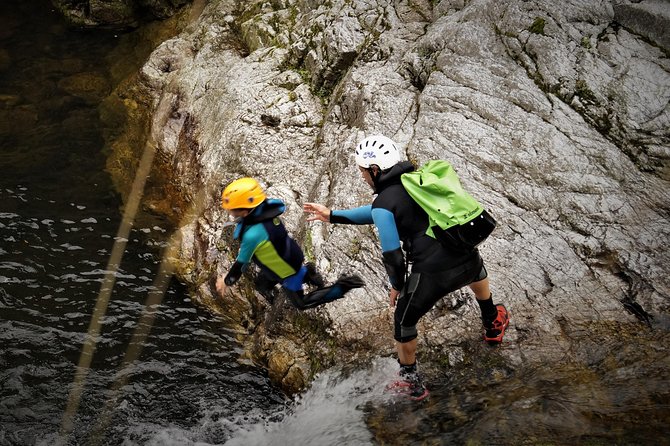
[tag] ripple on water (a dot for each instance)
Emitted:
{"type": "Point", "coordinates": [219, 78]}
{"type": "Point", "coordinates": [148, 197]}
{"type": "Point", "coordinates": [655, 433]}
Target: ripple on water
{"type": "Point", "coordinates": [58, 222]}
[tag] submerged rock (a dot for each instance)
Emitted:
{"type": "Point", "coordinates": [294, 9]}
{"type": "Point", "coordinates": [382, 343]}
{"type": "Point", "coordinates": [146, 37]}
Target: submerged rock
{"type": "Point", "coordinates": [116, 14]}
{"type": "Point", "coordinates": [92, 87]}
{"type": "Point", "coordinates": [555, 115]}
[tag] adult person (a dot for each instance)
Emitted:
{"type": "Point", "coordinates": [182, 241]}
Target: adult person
{"type": "Point", "coordinates": [436, 270]}
{"type": "Point", "coordinates": [264, 239]}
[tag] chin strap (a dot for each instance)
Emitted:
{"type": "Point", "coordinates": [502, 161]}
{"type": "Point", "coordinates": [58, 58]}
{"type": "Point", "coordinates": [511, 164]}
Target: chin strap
{"type": "Point", "coordinates": [375, 178]}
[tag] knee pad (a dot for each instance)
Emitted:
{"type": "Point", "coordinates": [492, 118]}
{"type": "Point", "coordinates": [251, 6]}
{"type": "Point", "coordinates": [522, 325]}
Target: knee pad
{"type": "Point", "coordinates": [405, 334]}
{"type": "Point", "coordinates": [483, 274]}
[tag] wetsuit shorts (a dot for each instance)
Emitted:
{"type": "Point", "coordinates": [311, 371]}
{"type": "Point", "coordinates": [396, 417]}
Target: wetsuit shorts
{"type": "Point", "coordinates": [422, 291]}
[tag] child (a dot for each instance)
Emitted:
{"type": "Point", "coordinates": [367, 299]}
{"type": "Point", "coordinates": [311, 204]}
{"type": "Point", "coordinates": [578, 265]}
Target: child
{"type": "Point", "coordinates": [263, 239]}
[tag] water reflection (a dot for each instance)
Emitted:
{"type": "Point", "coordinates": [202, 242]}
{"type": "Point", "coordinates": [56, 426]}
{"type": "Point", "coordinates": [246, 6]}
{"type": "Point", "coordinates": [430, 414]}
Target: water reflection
{"type": "Point", "coordinates": [58, 220]}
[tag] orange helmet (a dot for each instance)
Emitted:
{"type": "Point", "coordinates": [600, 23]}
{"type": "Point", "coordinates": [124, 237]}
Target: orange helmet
{"type": "Point", "coordinates": [244, 193]}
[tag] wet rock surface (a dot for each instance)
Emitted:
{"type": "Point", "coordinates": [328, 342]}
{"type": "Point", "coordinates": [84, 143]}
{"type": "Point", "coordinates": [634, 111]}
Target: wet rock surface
{"type": "Point", "coordinates": [555, 115]}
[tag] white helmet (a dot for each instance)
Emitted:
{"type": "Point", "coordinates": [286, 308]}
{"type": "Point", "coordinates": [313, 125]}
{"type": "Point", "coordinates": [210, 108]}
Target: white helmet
{"type": "Point", "coordinates": [379, 150]}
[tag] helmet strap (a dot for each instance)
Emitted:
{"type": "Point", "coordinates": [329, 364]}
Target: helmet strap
{"type": "Point", "coordinates": [375, 172]}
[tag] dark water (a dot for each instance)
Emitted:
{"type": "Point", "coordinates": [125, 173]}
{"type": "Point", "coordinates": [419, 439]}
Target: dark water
{"type": "Point", "coordinates": [58, 219]}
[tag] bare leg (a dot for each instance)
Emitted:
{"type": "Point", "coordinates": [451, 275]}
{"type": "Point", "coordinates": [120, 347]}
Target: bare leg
{"type": "Point", "coordinates": [406, 352]}
{"type": "Point", "coordinates": [481, 289]}
{"type": "Point", "coordinates": [410, 381]}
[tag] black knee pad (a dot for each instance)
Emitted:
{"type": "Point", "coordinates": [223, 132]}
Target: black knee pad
{"type": "Point", "coordinates": [483, 274]}
{"type": "Point", "coordinates": [405, 334]}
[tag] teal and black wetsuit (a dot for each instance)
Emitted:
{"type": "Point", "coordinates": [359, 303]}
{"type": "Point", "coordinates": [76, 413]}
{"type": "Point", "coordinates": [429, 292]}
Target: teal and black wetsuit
{"type": "Point", "coordinates": [265, 241]}
{"type": "Point", "coordinates": [401, 224]}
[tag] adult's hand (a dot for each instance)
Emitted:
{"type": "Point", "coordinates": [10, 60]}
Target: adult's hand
{"type": "Point", "coordinates": [393, 296]}
{"type": "Point", "coordinates": [318, 212]}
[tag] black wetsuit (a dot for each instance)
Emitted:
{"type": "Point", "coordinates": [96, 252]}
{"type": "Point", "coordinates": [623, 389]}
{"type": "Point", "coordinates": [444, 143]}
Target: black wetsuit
{"type": "Point", "coordinates": [436, 270]}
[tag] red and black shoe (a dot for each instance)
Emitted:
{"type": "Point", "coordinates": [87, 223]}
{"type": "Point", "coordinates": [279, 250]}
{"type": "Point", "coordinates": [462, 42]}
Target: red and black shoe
{"type": "Point", "coordinates": [494, 332]}
{"type": "Point", "coordinates": [409, 385]}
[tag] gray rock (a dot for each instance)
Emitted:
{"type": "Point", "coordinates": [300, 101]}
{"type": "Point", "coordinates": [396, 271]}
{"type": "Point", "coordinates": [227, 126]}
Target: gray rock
{"type": "Point", "coordinates": [555, 115]}
{"type": "Point", "coordinates": [649, 18]}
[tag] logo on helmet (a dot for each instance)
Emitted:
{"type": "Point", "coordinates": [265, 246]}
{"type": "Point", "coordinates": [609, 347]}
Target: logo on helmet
{"type": "Point", "coordinates": [369, 154]}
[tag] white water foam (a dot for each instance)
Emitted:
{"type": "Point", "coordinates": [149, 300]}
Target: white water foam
{"type": "Point", "coordinates": [329, 412]}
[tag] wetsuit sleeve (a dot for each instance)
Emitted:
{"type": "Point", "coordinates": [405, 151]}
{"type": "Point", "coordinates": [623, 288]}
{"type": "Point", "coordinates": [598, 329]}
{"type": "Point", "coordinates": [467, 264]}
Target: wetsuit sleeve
{"type": "Point", "coordinates": [235, 273]}
{"type": "Point", "coordinates": [251, 239]}
{"type": "Point", "coordinates": [356, 216]}
{"type": "Point", "coordinates": [394, 260]}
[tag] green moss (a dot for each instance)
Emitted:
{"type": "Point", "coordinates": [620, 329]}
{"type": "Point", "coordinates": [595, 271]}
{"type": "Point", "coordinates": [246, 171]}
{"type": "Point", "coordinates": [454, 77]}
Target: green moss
{"type": "Point", "coordinates": [312, 329]}
{"type": "Point", "coordinates": [538, 26]}
{"type": "Point", "coordinates": [247, 11]}
{"type": "Point", "coordinates": [584, 92]}
{"type": "Point", "coordinates": [323, 94]}
{"type": "Point", "coordinates": [308, 246]}
{"type": "Point", "coordinates": [586, 42]}
{"type": "Point", "coordinates": [425, 52]}
{"type": "Point", "coordinates": [304, 74]}
{"type": "Point", "coordinates": [355, 248]}
{"type": "Point", "coordinates": [293, 16]}
{"type": "Point", "coordinates": [276, 22]}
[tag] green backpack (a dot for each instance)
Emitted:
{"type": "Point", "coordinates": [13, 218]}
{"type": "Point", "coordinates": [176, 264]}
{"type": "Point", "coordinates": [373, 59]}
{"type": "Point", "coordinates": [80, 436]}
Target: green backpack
{"type": "Point", "coordinates": [455, 218]}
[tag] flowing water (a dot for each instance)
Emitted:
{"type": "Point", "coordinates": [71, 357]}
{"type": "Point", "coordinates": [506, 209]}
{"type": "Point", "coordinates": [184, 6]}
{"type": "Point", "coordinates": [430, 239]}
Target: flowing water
{"type": "Point", "coordinates": [59, 217]}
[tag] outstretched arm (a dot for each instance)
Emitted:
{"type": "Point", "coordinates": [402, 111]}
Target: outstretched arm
{"type": "Point", "coordinates": [230, 279]}
{"type": "Point", "coordinates": [357, 216]}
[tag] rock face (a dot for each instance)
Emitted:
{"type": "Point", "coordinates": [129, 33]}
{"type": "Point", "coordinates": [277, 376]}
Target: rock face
{"type": "Point", "coordinates": [555, 115]}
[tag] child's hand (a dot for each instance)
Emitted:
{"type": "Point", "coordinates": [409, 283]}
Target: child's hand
{"type": "Point", "coordinates": [221, 286]}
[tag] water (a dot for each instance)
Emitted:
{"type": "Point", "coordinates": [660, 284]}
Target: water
{"type": "Point", "coordinates": [58, 219]}
{"type": "Point", "coordinates": [59, 216]}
